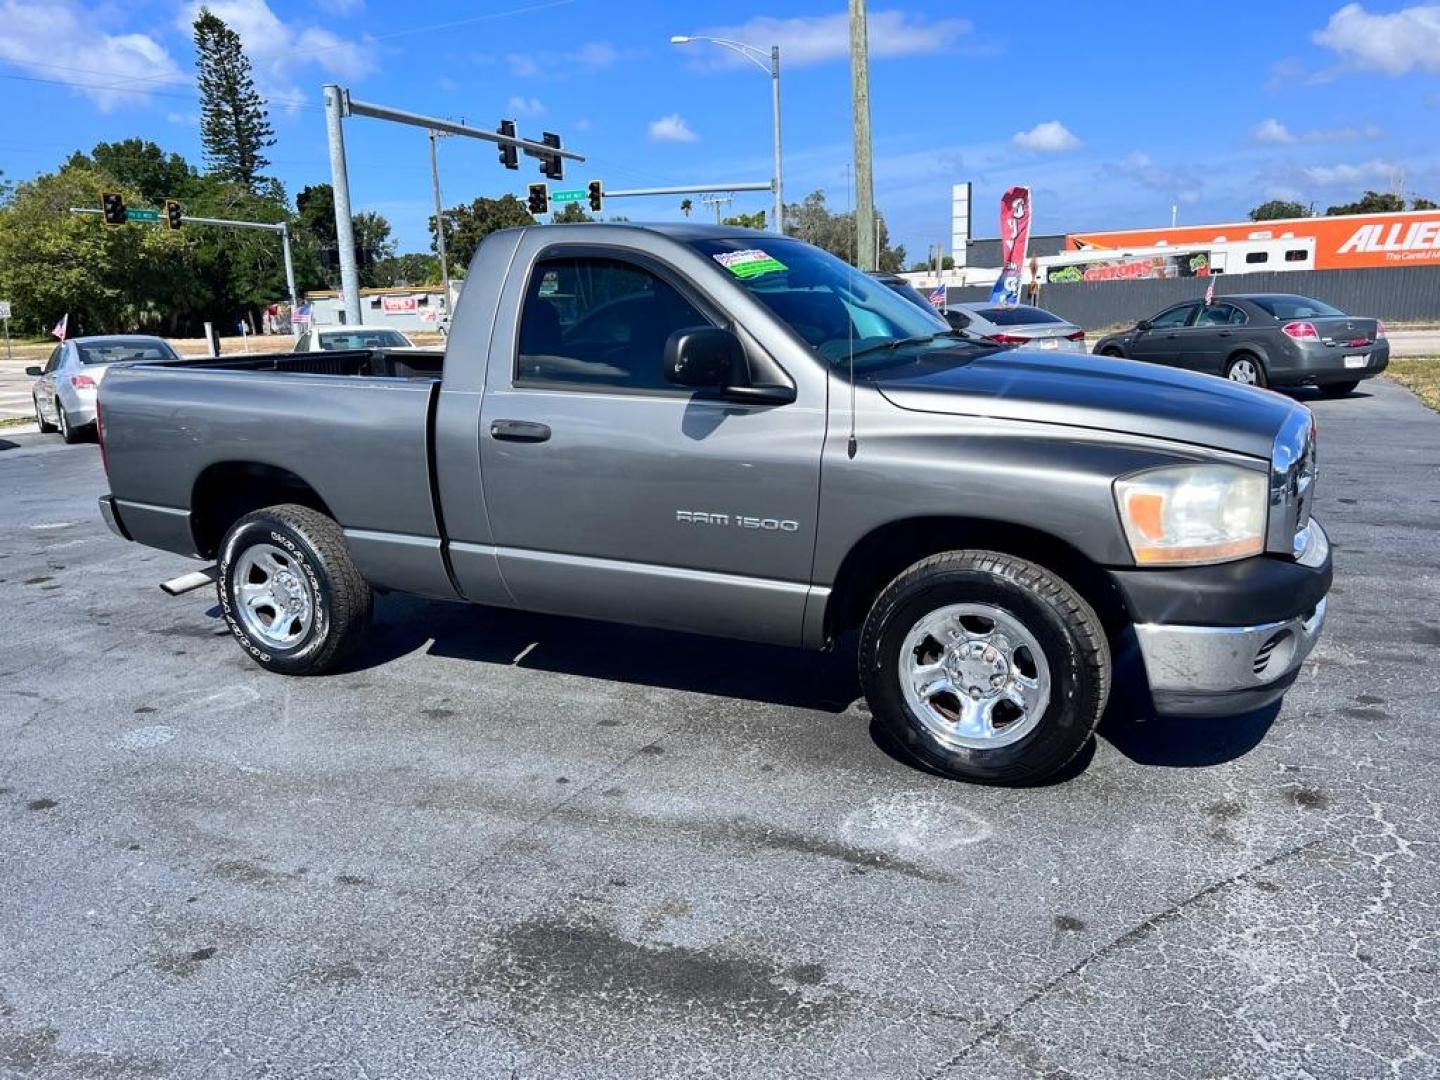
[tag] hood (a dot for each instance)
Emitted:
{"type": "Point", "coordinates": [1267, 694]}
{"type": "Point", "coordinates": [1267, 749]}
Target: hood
{"type": "Point", "coordinates": [1091, 392]}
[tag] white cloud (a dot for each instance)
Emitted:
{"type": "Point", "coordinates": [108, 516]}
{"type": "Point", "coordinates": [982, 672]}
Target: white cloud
{"type": "Point", "coordinates": [1272, 132]}
{"type": "Point", "coordinates": [343, 7]}
{"type": "Point", "coordinates": [590, 57]}
{"type": "Point", "coordinates": [60, 41]}
{"type": "Point", "coordinates": [672, 128]}
{"type": "Point", "coordinates": [278, 50]}
{"type": "Point", "coordinates": [1048, 137]}
{"type": "Point", "coordinates": [522, 106]}
{"type": "Point", "coordinates": [815, 39]}
{"type": "Point", "coordinates": [1347, 175]}
{"type": "Point", "coordinates": [184, 119]}
{"type": "Point", "coordinates": [1396, 43]}
{"type": "Point", "coordinates": [1139, 168]}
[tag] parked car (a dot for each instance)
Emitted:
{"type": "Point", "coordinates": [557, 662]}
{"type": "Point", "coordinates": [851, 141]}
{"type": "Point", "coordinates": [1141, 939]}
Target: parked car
{"type": "Point", "coordinates": [898, 285]}
{"type": "Point", "coordinates": [1017, 324]}
{"type": "Point", "coordinates": [65, 387]}
{"type": "Point", "coordinates": [1260, 339]}
{"type": "Point", "coordinates": [345, 338]}
{"type": "Point", "coordinates": [753, 442]}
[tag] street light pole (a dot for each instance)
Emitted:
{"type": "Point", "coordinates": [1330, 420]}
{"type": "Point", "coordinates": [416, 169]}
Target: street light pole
{"type": "Point", "coordinates": [759, 58]}
{"type": "Point", "coordinates": [440, 224]}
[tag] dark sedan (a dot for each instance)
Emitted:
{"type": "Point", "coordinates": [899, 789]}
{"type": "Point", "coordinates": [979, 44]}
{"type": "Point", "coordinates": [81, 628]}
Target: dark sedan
{"type": "Point", "coordinates": [1263, 339]}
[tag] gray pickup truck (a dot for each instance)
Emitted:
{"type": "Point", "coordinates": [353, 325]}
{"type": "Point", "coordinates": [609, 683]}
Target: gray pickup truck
{"type": "Point", "coordinates": [726, 432]}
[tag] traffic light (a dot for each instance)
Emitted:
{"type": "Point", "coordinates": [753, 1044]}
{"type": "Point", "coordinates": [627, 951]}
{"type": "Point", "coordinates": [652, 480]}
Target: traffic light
{"type": "Point", "coordinates": [509, 156]}
{"type": "Point", "coordinates": [539, 202]}
{"type": "Point", "coordinates": [173, 214]}
{"type": "Point", "coordinates": [552, 166]}
{"type": "Point", "coordinates": [113, 206]}
{"type": "Point", "coordinates": [597, 196]}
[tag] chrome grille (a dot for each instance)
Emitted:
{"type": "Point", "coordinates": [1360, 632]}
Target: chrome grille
{"type": "Point", "coordinates": [1292, 484]}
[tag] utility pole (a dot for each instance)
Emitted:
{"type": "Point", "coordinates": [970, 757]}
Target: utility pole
{"type": "Point", "coordinates": [717, 201]}
{"type": "Point", "coordinates": [439, 223]}
{"type": "Point", "coordinates": [344, 225]}
{"type": "Point", "coordinates": [865, 223]}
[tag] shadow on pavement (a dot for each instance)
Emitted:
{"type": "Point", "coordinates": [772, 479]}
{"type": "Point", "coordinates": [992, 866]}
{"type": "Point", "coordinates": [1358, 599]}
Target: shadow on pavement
{"type": "Point", "coordinates": [796, 678]}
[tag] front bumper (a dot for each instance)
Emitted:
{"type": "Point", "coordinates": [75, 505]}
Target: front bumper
{"type": "Point", "coordinates": [1224, 670]}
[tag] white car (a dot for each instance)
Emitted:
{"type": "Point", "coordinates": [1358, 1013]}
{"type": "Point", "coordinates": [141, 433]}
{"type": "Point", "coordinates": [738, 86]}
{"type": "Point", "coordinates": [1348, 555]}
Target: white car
{"type": "Point", "coordinates": [65, 388]}
{"type": "Point", "coordinates": [341, 338]}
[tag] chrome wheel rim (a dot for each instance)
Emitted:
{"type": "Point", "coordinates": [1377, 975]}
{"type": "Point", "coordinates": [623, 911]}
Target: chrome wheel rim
{"type": "Point", "coordinates": [1243, 371]}
{"type": "Point", "coordinates": [974, 676]}
{"type": "Point", "coordinates": [272, 596]}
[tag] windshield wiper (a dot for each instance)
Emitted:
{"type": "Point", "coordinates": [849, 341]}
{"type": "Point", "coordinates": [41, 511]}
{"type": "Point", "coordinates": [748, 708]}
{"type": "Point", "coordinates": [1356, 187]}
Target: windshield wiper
{"type": "Point", "coordinates": [894, 343]}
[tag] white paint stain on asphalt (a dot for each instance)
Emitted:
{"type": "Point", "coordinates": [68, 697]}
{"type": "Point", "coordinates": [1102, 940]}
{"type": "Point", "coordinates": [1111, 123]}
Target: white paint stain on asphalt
{"type": "Point", "coordinates": [147, 738]}
{"type": "Point", "coordinates": [911, 823]}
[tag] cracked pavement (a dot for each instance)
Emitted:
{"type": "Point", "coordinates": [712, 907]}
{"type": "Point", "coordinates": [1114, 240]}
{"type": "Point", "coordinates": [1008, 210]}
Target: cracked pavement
{"type": "Point", "coordinates": [510, 845]}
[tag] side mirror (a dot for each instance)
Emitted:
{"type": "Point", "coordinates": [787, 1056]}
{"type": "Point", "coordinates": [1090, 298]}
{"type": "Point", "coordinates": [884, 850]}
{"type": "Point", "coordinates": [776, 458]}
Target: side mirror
{"type": "Point", "coordinates": [34, 371]}
{"type": "Point", "coordinates": [705, 357]}
{"type": "Point", "coordinates": [1142, 325]}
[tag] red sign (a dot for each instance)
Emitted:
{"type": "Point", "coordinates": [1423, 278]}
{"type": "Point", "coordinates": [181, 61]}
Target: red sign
{"type": "Point", "coordinates": [1014, 238]}
{"type": "Point", "coordinates": [399, 305]}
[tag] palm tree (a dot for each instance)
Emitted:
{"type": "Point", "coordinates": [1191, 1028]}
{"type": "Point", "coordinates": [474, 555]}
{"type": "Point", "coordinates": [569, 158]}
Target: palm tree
{"type": "Point", "coordinates": [686, 206]}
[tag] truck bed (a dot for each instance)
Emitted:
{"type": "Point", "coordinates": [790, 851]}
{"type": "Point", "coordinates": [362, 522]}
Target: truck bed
{"type": "Point", "coordinates": [372, 363]}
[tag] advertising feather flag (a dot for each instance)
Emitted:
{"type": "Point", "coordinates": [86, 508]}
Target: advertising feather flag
{"type": "Point", "coordinates": [1015, 215]}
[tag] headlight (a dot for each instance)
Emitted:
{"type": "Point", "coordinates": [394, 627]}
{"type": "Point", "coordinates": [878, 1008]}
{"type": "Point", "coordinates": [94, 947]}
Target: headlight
{"type": "Point", "coordinates": [1188, 515]}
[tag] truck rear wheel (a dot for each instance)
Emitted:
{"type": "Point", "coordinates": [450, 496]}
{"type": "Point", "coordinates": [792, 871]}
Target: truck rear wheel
{"type": "Point", "coordinates": [985, 667]}
{"type": "Point", "coordinates": [289, 590]}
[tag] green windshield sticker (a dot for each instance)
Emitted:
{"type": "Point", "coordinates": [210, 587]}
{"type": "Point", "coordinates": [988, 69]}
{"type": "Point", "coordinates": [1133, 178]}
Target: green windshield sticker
{"type": "Point", "coordinates": [750, 263]}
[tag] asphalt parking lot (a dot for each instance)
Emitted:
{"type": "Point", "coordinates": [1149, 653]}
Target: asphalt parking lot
{"type": "Point", "coordinates": [507, 845]}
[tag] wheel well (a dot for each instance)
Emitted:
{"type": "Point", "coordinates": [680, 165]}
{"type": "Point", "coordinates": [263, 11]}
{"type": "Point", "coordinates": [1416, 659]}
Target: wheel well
{"type": "Point", "coordinates": [226, 492]}
{"type": "Point", "coordinates": [883, 554]}
{"type": "Point", "coordinates": [1247, 351]}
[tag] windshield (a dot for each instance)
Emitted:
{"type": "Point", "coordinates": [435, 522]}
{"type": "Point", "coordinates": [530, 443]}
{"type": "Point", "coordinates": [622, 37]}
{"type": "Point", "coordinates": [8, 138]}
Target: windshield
{"type": "Point", "coordinates": [124, 349]}
{"type": "Point", "coordinates": [831, 305]}
{"type": "Point", "coordinates": [361, 338]}
{"type": "Point", "coordinates": [901, 287]}
{"type": "Point", "coordinates": [1294, 307]}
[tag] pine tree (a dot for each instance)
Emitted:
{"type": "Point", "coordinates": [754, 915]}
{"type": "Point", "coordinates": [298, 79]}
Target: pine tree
{"type": "Point", "coordinates": [234, 126]}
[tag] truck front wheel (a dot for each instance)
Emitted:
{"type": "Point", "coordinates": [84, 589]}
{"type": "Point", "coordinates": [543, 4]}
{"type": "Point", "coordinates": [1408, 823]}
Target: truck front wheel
{"type": "Point", "coordinates": [289, 590]}
{"type": "Point", "coordinates": [985, 667]}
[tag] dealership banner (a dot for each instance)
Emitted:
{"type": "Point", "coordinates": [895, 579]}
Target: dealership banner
{"type": "Point", "coordinates": [1014, 238]}
{"type": "Point", "coordinates": [399, 305]}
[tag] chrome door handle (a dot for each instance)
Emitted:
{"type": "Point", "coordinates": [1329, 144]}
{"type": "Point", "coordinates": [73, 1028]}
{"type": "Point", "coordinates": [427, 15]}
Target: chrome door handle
{"type": "Point", "coordinates": [519, 431]}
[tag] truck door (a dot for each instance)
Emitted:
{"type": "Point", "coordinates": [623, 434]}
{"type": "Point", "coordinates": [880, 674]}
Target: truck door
{"type": "Point", "coordinates": [615, 494]}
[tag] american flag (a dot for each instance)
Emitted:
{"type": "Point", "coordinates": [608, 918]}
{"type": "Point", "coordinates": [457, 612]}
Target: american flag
{"type": "Point", "coordinates": [937, 297]}
{"type": "Point", "coordinates": [60, 327]}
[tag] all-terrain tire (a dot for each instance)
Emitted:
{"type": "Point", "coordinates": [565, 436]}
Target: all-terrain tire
{"type": "Point", "coordinates": [341, 599]}
{"type": "Point", "coordinates": [1061, 622]}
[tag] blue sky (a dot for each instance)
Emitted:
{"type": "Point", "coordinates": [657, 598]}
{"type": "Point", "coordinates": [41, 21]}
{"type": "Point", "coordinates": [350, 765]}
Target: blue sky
{"type": "Point", "coordinates": [1111, 111]}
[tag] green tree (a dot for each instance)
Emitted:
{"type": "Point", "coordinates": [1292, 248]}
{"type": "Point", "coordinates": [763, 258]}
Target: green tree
{"type": "Point", "coordinates": [142, 166]}
{"type": "Point", "coordinates": [571, 214]}
{"type": "Point", "coordinates": [1372, 202]}
{"type": "Point", "coordinates": [1424, 204]}
{"type": "Point", "coordinates": [234, 125]}
{"type": "Point", "coordinates": [466, 225]}
{"type": "Point", "coordinates": [315, 206]}
{"type": "Point", "coordinates": [747, 221]}
{"type": "Point", "coordinates": [372, 243]}
{"type": "Point", "coordinates": [1276, 209]}
{"type": "Point", "coordinates": [108, 278]}
{"type": "Point", "coordinates": [686, 206]}
{"type": "Point", "coordinates": [413, 268]}
{"type": "Point", "coordinates": [813, 222]}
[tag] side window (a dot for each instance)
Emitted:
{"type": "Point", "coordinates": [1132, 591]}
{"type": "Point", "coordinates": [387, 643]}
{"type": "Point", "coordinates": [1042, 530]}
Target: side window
{"type": "Point", "coordinates": [1221, 315]}
{"type": "Point", "coordinates": [54, 361]}
{"type": "Point", "coordinates": [1175, 317]}
{"type": "Point", "coordinates": [1257, 256]}
{"type": "Point", "coordinates": [595, 321]}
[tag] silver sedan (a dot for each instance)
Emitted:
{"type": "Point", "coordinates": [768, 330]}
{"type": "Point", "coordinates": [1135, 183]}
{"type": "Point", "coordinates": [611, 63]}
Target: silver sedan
{"type": "Point", "coordinates": [66, 387]}
{"type": "Point", "coordinates": [1017, 324]}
